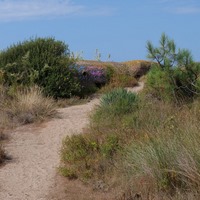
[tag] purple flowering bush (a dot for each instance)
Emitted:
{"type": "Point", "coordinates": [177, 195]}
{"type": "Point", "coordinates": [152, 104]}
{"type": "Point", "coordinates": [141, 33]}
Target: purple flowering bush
{"type": "Point", "coordinates": [96, 74]}
{"type": "Point", "coordinates": [92, 75]}
{"type": "Point", "coordinates": [91, 78]}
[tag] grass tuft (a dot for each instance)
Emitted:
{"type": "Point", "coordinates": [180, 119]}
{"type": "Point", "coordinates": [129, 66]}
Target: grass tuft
{"type": "Point", "coordinates": [28, 105]}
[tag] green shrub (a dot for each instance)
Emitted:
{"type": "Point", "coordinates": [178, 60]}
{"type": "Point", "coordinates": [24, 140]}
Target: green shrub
{"type": "Point", "coordinates": [110, 146]}
{"type": "Point", "coordinates": [60, 81]}
{"type": "Point", "coordinates": [77, 153]}
{"type": "Point", "coordinates": [41, 51]}
{"type": "Point", "coordinates": [119, 101]}
{"type": "Point", "coordinates": [187, 81]}
{"type": "Point", "coordinates": [87, 89]}
{"type": "Point", "coordinates": [20, 73]}
{"type": "Point", "coordinates": [87, 155]}
{"type": "Point", "coordinates": [42, 61]}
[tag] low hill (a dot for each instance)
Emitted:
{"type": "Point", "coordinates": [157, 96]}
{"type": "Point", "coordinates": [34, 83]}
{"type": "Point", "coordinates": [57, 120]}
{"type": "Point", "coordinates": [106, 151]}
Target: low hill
{"type": "Point", "coordinates": [138, 67]}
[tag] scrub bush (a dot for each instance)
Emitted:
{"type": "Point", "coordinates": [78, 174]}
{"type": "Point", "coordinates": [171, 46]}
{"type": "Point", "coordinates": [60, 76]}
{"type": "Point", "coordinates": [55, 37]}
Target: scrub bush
{"type": "Point", "coordinates": [85, 156]}
{"type": "Point", "coordinates": [41, 61]}
{"type": "Point", "coordinates": [119, 101]}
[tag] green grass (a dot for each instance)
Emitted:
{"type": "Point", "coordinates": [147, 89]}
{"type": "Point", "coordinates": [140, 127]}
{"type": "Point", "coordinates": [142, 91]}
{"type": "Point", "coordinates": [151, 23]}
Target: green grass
{"type": "Point", "coordinates": [118, 102]}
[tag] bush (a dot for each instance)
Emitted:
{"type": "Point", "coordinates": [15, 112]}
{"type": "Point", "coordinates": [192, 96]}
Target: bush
{"type": "Point", "coordinates": [60, 81]}
{"type": "Point", "coordinates": [76, 153]}
{"type": "Point", "coordinates": [94, 74]}
{"type": "Point", "coordinates": [41, 51]}
{"type": "Point", "coordinates": [85, 156]}
{"type": "Point", "coordinates": [91, 78]}
{"type": "Point", "coordinates": [119, 101]}
{"type": "Point", "coordinates": [42, 61]}
{"type": "Point", "coordinates": [19, 73]}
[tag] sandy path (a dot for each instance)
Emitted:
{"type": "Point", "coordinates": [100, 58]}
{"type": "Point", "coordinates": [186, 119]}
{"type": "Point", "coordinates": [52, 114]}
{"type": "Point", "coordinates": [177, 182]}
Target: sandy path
{"type": "Point", "coordinates": [36, 154]}
{"type": "Point", "coordinates": [35, 151]}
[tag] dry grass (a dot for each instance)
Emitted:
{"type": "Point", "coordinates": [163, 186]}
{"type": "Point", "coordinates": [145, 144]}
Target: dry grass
{"type": "Point", "coordinates": [98, 63]}
{"type": "Point", "coordinates": [119, 77]}
{"type": "Point", "coordinates": [29, 105]}
{"type": "Point", "coordinates": [138, 67]}
{"type": "Point", "coordinates": [25, 106]}
{"type": "Point", "coordinates": [135, 62]}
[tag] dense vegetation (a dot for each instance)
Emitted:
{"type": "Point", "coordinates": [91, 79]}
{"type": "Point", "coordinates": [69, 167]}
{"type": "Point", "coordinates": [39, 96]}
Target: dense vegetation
{"type": "Point", "coordinates": [147, 145]}
{"type": "Point", "coordinates": [41, 61]}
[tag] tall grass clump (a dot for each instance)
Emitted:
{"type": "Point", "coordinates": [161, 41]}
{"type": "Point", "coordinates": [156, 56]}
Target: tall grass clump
{"type": "Point", "coordinates": [26, 105]}
{"type": "Point", "coordinates": [164, 159]}
{"type": "Point", "coordinates": [119, 101]}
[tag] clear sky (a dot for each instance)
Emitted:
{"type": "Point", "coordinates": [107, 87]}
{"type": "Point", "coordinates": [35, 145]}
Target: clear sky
{"type": "Point", "coordinates": [117, 27]}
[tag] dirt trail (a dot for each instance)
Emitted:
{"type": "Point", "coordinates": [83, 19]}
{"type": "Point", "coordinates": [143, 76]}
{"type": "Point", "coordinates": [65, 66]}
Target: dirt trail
{"type": "Point", "coordinates": [32, 174]}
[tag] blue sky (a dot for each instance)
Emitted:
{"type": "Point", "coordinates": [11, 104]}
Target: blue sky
{"type": "Point", "coordinates": [115, 27]}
